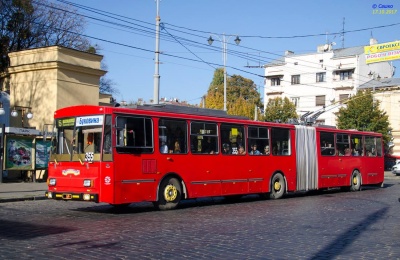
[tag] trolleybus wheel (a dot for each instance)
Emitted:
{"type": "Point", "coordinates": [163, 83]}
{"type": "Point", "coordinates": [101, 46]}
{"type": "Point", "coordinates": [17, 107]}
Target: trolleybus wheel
{"type": "Point", "coordinates": [169, 195]}
{"type": "Point", "coordinates": [355, 181]}
{"type": "Point", "coordinates": [277, 186]}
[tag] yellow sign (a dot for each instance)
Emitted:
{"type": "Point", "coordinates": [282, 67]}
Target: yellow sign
{"type": "Point", "coordinates": [382, 56]}
{"type": "Point", "coordinates": [383, 47]}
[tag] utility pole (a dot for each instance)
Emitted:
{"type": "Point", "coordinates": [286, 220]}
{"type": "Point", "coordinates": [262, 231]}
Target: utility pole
{"type": "Point", "coordinates": [156, 60]}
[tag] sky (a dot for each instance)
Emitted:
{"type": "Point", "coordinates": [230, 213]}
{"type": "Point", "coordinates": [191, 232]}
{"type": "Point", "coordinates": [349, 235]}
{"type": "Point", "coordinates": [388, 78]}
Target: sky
{"type": "Point", "coordinates": [124, 30]}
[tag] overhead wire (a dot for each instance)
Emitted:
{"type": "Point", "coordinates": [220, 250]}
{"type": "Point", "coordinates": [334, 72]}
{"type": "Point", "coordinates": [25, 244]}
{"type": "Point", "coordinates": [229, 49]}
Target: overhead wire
{"type": "Point", "coordinates": [150, 31]}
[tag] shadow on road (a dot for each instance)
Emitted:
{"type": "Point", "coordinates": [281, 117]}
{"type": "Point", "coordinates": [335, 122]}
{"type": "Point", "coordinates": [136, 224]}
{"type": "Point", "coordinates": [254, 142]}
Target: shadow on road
{"type": "Point", "coordinates": [23, 230]}
{"type": "Point", "coordinates": [345, 240]}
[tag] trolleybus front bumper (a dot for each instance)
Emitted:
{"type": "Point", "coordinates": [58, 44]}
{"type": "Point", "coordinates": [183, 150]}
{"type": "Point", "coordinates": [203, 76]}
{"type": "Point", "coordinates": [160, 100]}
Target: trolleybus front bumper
{"type": "Point", "coordinates": [72, 196]}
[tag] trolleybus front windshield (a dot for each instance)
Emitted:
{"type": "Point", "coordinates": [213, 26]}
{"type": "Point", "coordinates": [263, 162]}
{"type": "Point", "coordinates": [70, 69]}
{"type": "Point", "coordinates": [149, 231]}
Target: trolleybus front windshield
{"type": "Point", "coordinates": [78, 139]}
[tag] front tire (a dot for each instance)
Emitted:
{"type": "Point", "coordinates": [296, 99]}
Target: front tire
{"type": "Point", "coordinates": [169, 194]}
{"type": "Point", "coordinates": [278, 186]}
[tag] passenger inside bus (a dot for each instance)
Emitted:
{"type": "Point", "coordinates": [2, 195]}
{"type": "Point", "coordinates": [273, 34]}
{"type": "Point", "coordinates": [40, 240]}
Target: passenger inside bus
{"type": "Point", "coordinates": [254, 150]}
{"type": "Point", "coordinates": [163, 147]}
{"type": "Point", "coordinates": [177, 147]}
{"type": "Point", "coordinates": [226, 149]}
{"type": "Point", "coordinates": [275, 149]}
{"type": "Point", "coordinates": [208, 145]}
{"type": "Point", "coordinates": [241, 150]}
{"type": "Point", "coordinates": [347, 152]}
{"type": "Point", "coordinates": [266, 150]}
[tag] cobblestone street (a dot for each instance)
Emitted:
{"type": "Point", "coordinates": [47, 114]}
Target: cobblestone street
{"type": "Point", "coordinates": [329, 225]}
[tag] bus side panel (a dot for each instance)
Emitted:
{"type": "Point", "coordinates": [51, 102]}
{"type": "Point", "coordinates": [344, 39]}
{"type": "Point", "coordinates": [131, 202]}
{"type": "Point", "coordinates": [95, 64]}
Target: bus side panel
{"type": "Point", "coordinates": [200, 173]}
{"type": "Point", "coordinates": [107, 182]}
{"type": "Point", "coordinates": [133, 181]}
{"type": "Point", "coordinates": [374, 170]}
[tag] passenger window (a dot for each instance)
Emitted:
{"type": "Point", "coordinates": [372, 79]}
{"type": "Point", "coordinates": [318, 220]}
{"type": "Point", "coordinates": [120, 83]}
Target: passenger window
{"type": "Point", "coordinates": [327, 143]}
{"type": "Point", "coordinates": [107, 145]}
{"type": "Point", "coordinates": [280, 138]}
{"type": "Point", "coordinates": [134, 134]}
{"type": "Point", "coordinates": [203, 138]}
{"type": "Point", "coordinates": [258, 143]}
{"type": "Point", "coordinates": [378, 146]}
{"type": "Point", "coordinates": [172, 136]}
{"type": "Point", "coordinates": [342, 145]}
{"type": "Point", "coordinates": [232, 139]}
{"type": "Point", "coordinates": [370, 146]}
{"type": "Point", "coordinates": [357, 147]}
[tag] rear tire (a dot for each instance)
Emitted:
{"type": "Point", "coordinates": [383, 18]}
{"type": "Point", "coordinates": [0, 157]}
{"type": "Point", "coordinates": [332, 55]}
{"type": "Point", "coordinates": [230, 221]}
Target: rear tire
{"type": "Point", "coordinates": [278, 186]}
{"type": "Point", "coordinates": [355, 181]}
{"type": "Point", "coordinates": [169, 194]}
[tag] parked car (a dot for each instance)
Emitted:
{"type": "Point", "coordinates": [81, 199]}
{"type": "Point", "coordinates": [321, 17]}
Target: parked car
{"type": "Point", "coordinates": [396, 168]}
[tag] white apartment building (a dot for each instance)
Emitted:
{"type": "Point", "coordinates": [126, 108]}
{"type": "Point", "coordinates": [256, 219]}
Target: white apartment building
{"type": "Point", "coordinates": [318, 81]}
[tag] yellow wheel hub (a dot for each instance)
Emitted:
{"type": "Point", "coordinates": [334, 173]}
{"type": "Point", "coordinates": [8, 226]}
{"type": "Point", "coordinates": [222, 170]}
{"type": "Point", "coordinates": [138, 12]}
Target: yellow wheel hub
{"type": "Point", "coordinates": [355, 180]}
{"type": "Point", "coordinates": [277, 185]}
{"type": "Point", "coordinates": [170, 193]}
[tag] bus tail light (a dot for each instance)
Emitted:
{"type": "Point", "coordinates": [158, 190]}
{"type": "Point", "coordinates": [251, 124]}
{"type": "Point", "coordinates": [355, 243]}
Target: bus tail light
{"type": "Point", "coordinates": [87, 183]}
{"type": "Point", "coordinates": [52, 182]}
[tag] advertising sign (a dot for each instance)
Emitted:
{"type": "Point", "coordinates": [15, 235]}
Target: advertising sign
{"type": "Point", "coordinates": [19, 153]}
{"type": "Point", "coordinates": [382, 52]}
{"type": "Point", "coordinates": [42, 154]}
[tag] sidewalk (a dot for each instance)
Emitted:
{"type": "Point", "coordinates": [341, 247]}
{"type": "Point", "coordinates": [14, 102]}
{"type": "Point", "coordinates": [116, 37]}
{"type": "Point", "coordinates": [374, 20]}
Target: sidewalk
{"type": "Point", "coordinates": [19, 191]}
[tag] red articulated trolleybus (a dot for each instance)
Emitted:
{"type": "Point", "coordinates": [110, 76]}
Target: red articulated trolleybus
{"type": "Point", "coordinates": [164, 154]}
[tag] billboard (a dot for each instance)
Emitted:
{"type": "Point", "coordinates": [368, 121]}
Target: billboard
{"type": "Point", "coordinates": [19, 152]}
{"type": "Point", "coordinates": [42, 153]}
{"type": "Point", "coordinates": [382, 52]}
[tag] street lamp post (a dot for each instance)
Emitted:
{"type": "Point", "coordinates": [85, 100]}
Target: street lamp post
{"type": "Point", "coordinates": [27, 113]}
{"type": "Point", "coordinates": [224, 40]}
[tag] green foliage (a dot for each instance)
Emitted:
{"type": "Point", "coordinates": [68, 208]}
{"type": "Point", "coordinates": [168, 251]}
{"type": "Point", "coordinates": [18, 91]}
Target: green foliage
{"type": "Point", "coordinates": [363, 113]}
{"type": "Point", "coordinates": [241, 95]}
{"type": "Point", "coordinates": [279, 109]}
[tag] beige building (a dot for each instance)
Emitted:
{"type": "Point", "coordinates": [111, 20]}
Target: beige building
{"type": "Point", "coordinates": [43, 80]}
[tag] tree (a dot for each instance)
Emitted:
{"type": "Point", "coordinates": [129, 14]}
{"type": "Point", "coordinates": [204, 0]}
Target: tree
{"type": "Point", "coordinates": [280, 109]}
{"type": "Point", "coordinates": [241, 95]}
{"type": "Point", "coordinates": [363, 113]}
{"type": "Point", "coordinates": [107, 85]}
{"type": "Point", "coordinates": [30, 24]}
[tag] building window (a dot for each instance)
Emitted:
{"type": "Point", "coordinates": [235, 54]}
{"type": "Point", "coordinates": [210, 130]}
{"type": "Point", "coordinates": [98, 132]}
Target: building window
{"type": "Point", "coordinates": [295, 79]}
{"type": "Point", "coordinates": [346, 74]}
{"type": "Point", "coordinates": [320, 100]}
{"type": "Point", "coordinates": [275, 81]}
{"type": "Point", "coordinates": [343, 97]}
{"type": "Point", "coordinates": [321, 77]}
{"type": "Point", "coordinates": [295, 101]}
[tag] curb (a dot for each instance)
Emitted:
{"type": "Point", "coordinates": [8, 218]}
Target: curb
{"type": "Point", "coordinates": [22, 199]}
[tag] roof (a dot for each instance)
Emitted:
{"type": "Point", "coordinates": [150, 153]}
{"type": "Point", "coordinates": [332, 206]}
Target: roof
{"type": "Point", "coordinates": [337, 53]}
{"type": "Point", "coordinates": [383, 83]}
{"type": "Point", "coordinates": [278, 62]}
{"type": "Point", "coordinates": [346, 52]}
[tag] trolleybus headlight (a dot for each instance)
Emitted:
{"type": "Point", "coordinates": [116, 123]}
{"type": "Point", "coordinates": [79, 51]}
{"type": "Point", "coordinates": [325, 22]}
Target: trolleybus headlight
{"type": "Point", "coordinates": [50, 195]}
{"type": "Point", "coordinates": [86, 196]}
{"type": "Point", "coordinates": [87, 183]}
{"type": "Point", "coordinates": [52, 182]}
